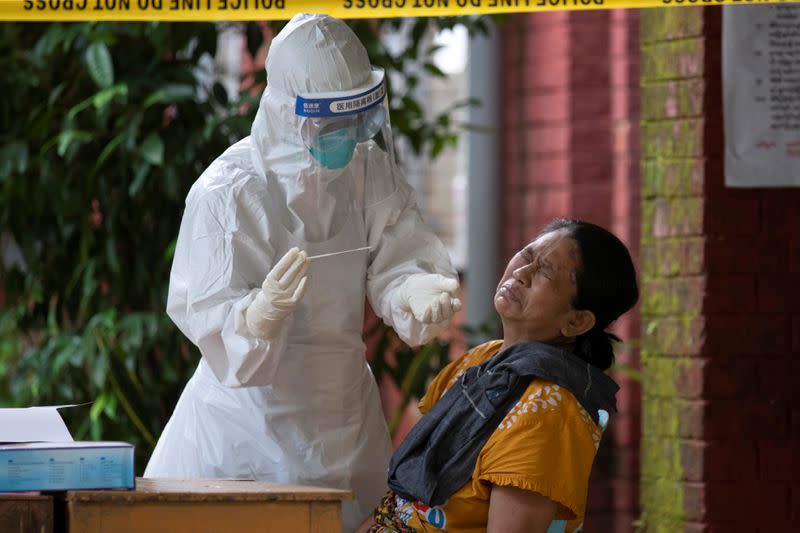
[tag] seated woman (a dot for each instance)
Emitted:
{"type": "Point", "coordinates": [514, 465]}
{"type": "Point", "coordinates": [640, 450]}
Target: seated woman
{"type": "Point", "coordinates": [511, 428]}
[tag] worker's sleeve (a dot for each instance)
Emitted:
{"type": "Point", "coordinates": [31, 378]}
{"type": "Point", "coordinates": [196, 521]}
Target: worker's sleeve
{"type": "Point", "coordinates": [402, 245]}
{"type": "Point", "coordinates": [220, 262]}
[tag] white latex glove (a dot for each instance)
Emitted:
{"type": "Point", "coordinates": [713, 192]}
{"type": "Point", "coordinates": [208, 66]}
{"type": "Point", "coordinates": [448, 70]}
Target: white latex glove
{"type": "Point", "coordinates": [280, 294]}
{"type": "Point", "coordinates": [431, 298]}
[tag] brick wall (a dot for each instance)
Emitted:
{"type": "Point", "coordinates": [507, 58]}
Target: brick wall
{"type": "Point", "coordinates": [571, 149]}
{"type": "Point", "coordinates": [721, 304]}
{"type": "Point", "coordinates": [673, 92]}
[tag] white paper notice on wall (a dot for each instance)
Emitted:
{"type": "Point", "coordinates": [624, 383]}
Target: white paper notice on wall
{"type": "Point", "coordinates": [761, 90]}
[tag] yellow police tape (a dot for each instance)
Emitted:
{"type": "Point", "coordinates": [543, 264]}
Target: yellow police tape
{"type": "Point", "coordinates": [196, 10]}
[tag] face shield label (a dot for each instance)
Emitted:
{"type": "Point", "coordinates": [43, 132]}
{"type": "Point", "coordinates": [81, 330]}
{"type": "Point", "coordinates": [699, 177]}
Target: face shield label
{"type": "Point", "coordinates": [359, 103]}
{"type": "Point", "coordinates": [340, 105]}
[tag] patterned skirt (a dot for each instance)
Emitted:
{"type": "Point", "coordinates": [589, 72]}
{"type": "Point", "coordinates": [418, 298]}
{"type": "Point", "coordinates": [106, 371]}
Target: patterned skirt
{"type": "Point", "coordinates": [386, 519]}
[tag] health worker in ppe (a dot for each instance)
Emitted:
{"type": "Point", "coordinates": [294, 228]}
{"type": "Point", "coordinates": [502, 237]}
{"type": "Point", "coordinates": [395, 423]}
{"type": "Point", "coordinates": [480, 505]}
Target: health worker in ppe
{"type": "Point", "coordinates": [283, 392]}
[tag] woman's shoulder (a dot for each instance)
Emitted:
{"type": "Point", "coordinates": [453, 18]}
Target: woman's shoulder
{"type": "Point", "coordinates": [545, 405]}
{"type": "Point", "coordinates": [449, 374]}
{"type": "Point", "coordinates": [475, 356]}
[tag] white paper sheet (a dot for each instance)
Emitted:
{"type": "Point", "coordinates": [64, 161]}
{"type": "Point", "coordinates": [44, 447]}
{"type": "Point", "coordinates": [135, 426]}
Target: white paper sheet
{"type": "Point", "coordinates": [32, 424]}
{"type": "Point", "coordinates": [761, 89]}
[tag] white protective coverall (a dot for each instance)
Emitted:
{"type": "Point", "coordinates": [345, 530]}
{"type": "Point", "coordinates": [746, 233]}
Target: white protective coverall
{"type": "Point", "coordinates": [301, 407]}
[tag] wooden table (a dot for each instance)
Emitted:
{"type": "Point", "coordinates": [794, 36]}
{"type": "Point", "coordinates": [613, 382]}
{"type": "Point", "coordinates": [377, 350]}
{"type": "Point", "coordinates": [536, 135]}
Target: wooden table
{"type": "Point", "coordinates": [26, 513]}
{"type": "Point", "coordinates": [209, 505]}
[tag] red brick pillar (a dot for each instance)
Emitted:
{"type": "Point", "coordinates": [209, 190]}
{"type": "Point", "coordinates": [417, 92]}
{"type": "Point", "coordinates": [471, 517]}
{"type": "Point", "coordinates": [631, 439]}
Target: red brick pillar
{"type": "Point", "coordinates": [571, 149]}
{"type": "Point", "coordinates": [616, 471]}
{"type": "Point", "coordinates": [721, 305]}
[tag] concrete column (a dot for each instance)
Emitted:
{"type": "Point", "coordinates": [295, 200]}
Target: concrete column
{"type": "Point", "coordinates": [483, 181]}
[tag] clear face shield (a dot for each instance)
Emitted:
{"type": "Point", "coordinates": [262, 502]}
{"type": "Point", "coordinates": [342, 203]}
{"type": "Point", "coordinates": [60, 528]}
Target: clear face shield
{"type": "Point", "coordinates": [347, 142]}
{"type": "Point", "coordinates": [333, 125]}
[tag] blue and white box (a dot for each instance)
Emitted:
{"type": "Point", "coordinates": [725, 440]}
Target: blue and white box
{"type": "Point", "coordinates": [45, 466]}
{"type": "Point", "coordinates": [37, 453]}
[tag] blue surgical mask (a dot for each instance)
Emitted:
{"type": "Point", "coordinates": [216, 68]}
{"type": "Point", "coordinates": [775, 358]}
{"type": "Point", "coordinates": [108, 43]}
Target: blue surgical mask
{"type": "Point", "coordinates": [335, 149]}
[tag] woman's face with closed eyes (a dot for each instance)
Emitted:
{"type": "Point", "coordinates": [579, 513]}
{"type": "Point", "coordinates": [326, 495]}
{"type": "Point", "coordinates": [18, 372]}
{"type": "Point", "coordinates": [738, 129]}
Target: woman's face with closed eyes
{"type": "Point", "coordinates": [535, 294]}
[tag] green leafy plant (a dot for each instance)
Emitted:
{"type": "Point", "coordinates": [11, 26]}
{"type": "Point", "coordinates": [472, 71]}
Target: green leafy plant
{"type": "Point", "coordinates": [108, 127]}
{"type": "Point", "coordinates": [105, 134]}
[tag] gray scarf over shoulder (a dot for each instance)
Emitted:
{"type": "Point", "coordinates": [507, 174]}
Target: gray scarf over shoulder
{"type": "Point", "coordinates": [438, 456]}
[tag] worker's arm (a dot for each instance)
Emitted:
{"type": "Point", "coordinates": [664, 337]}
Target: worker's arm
{"type": "Point", "coordinates": [218, 270]}
{"type": "Point", "coordinates": [404, 246]}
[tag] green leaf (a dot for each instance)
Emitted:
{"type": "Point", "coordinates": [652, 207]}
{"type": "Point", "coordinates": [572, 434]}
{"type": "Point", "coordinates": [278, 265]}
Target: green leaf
{"type": "Point", "coordinates": [96, 429]}
{"type": "Point", "coordinates": [467, 102]}
{"type": "Point", "coordinates": [66, 138]}
{"type": "Point", "coordinates": [111, 406]}
{"type": "Point", "coordinates": [74, 110]}
{"type": "Point", "coordinates": [97, 407]}
{"type": "Point", "coordinates": [138, 179]}
{"type": "Point", "coordinates": [104, 97]}
{"type": "Point", "coordinates": [169, 94]}
{"type": "Point", "coordinates": [100, 369]}
{"type": "Point", "coordinates": [169, 252]}
{"type": "Point", "coordinates": [432, 49]}
{"type": "Point", "coordinates": [52, 321]}
{"type": "Point", "coordinates": [88, 287]}
{"type": "Point", "coordinates": [153, 149]}
{"type": "Point", "coordinates": [99, 100]}
{"type": "Point", "coordinates": [99, 64]}
{"type": "Point", "coordinates": [434, 70]}
{"type": "Point", "coordinates": [107, 151]}
{"type": "Point", "coordinates": [412, 106]}
{"type": "Point", "coordinates": [55, 94]}
{"type": "Point", "coordinates": [49, 41]}
{"type": "Point", "coordinates": [437, 147]}
{"type": "Point", "coordinates": [111, 255]}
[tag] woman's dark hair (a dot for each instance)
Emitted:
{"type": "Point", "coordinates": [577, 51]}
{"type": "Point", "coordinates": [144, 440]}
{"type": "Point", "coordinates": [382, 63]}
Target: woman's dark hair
{"type": "Point", "coordinates": [606, 283]}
